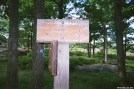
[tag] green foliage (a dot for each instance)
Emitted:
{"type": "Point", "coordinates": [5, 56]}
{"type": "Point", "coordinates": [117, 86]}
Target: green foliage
{"type": "Point", "coordinates": [26, 9]}
{"type": "Point", "coordinates": [81, 60]}
{"type": "Point", "coordinates": [46, 50]}
{"type": "Point", "coordinates": [77, 53]}
{"type": "Point", "coordinates": [3, 39]}
{"type": "Point", "coordinates": [130, 63]}
{"type": "Point", "coordinates": [76, 58]}
{"type": "Point", "coordinates": [101, 80]}
{"type": "Point", "coordinates": [112, 56]}
{"type": "Point", "coordinates": [130, 57]}
{"type": "Point", "coordinates": [50, 10]}
{"type": "Point", "coordinates": [46, 62]}
{"type": "Point", "coordinates": [3, 57]}
{"type": "Point", "coordinates": [25, 61]}
{"type": "Point", "coordinates": [3, 30]}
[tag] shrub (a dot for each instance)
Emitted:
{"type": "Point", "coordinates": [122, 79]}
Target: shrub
{"type": "Point", "coordinates": [46, 62]}
{"type": "Point", "coordinates": [81, 60]}
{"type": "Point", "coordinates": [25, 62]}
{"type": "Point", "coordinates": [46, 50]}
{"type": "Point", "coordinates": [130, 57]}
{"type": "Point", "coordinates": [77, 53]}
{"type": "Point", "coordinates": [130, 63]}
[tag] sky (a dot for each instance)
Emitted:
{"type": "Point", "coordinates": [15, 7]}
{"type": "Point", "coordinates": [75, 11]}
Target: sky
{"type": "Point", "coordinates": [132, 25]}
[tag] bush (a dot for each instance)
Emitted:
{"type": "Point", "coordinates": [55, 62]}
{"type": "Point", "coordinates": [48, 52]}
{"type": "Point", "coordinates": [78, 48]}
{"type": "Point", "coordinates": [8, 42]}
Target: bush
{"type": "Point", "coordinates": [130, 57]}
{"type": "Point", "coordinates": [25, 62]}
{"type": "Point", "coordinates": [81, 60]}
{"type": "Point", "coordinates": [130, 63]}
{"type": "Point", "coordinates": [77, 53]}
{"type": "Point", "coordinates": [46, 62]}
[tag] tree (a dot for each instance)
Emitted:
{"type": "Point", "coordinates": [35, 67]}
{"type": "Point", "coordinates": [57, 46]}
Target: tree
{"type": "Point", "coordinates": [26, 23]}
{"type": "Point", "coordinates": [50, 10]}
{"type": "Point", "coordinates": [99, 15]}
{"type": "Point", "coordinates": [4, 20]}
{"type": "Point", "coordinates": [38, 57]}
{"type": "Point", "coordinates": [4, 30]}
{"type": "Point", "coordinates": [4, 9]}
{"type": "Point", "coordinates": [127, 10]}
{"type": "Point", "coordinates": [60, 6]}
{"type": "Point", "coordinates": [12, 66]}
{"type": "Point", "coordinates": [119, 43]}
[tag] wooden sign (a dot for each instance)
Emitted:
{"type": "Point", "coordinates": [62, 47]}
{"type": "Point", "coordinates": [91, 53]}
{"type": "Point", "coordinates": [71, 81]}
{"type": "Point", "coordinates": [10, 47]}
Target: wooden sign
{"type": "Point", "coordinates": [60, 33]}
{"type": "Point", "coordinates": [72, 31]}
{"type": "Point", "coordinates": [52, 65]}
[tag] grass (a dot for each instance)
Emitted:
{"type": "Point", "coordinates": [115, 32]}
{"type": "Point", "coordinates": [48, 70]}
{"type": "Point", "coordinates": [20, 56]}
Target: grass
{"type": "Point", "coordinates": [130, 63]}
{"type": "Point", "coordinates": [100, 80]}
{"type": "Point", "coordinates": [2, 75]}
{"type": "Point", "coordinates": [24, 79]}
{"type": "Point", "coordinates": [103, 80]}
{"type": "Point", "coordinates": [77, 80]}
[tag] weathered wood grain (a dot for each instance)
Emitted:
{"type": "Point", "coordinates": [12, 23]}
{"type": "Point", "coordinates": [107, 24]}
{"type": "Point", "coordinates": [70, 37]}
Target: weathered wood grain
{"type": "Point", "coordinates": [72, 31]}
{"type": "Point", "coordinates": [61, 80]}
{"type": "Point", "coordinates": [52, 65]}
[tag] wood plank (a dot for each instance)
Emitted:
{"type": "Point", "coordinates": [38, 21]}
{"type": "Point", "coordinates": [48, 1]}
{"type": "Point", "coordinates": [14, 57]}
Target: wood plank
{"type": "Point", "coordinates": [72, 31]}
{"type": "Point", "coordinates": [52, 65]}
{"type": "Point", "coordinates": [61, 81]}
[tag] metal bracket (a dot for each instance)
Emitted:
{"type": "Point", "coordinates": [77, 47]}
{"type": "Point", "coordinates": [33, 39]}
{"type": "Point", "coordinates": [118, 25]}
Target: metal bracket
{"type": "Point", "coordinates": [52, 65]}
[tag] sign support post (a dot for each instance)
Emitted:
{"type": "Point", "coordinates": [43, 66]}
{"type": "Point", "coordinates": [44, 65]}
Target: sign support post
{"type": "Point", "coordinates": [61, 80]}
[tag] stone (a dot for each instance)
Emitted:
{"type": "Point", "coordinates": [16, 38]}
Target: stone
{"type": "Point", "coordinates": [97, 68]}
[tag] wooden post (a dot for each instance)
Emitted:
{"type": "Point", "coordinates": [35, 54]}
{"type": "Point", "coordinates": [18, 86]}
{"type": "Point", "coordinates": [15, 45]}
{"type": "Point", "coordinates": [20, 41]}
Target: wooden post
{"type": "Point", "coordinates": [61, 80]}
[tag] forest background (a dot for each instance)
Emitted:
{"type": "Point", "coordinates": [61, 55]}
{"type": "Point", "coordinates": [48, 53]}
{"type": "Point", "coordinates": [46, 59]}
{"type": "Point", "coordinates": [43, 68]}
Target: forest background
{"type": "Point", "coordinates": [103, 26]}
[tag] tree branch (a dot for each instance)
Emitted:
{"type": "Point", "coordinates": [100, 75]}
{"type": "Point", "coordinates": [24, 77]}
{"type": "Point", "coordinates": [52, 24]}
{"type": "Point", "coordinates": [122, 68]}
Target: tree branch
{"type": "Point", "coordinates": [54, 1]}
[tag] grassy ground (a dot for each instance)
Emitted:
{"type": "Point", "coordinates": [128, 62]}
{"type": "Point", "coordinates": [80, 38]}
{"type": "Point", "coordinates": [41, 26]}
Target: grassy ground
{"type": "Point", "coordinates": [77, 80]}
{"type": "Point", "coordinates": [101, 80]}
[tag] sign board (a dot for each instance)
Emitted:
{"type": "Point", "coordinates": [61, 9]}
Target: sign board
{"type": "Point", "coordinates": [72, 31]}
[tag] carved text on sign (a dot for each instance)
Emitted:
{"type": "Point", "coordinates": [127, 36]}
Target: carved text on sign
{"type": "Point", "coordinates": [73, 31]}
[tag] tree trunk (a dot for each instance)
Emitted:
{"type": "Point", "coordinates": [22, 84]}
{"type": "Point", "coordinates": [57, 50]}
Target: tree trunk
{"type": "Point", "coordinates": [94, 47]}
{"type": "Point", "coordinates": [105, 42]}
{"type": "Point", "coordinates": [125, 45]}
{"type": "Point", "coordinates": [119, 43]}
{"type": "Point", "coordinates": [60, 5]}
{"type": "Point", "coordinates": [89, 46]}
{"type": "Point", "coordinates": [31, 36]}
{"type": "Point", "coordinates": [38, 53]}
{"type": "Point", "coordinates": [28, 37]}
{"type": "Point", "coordinates": [12, 66]}
{"type": "Point", "coordinates": [89, 49]}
